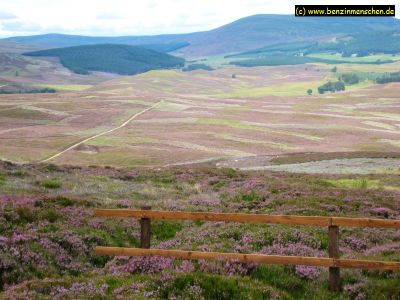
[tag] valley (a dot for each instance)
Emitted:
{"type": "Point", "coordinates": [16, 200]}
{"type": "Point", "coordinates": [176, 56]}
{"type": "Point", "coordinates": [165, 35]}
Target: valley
{"type": "Point", "coordinates": [289, 118]}
{"type": "Point", "coordinates": [202, 115]}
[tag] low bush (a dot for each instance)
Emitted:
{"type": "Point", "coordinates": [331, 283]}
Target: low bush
{"type": "Point", "coordinates": [51, 184]}
{"type": "Point", "coordinates": [331, 87]}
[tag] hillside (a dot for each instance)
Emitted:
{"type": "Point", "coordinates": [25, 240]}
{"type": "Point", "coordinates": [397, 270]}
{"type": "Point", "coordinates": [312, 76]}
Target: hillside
{"type": "Point", "coordinates": [361, 44]}
{"type": "Point", "coordinates": [50, 232]}
{"type": "Point", "coordinates": [242, 35]}
{"type": "Point", "coordinates": [119, 59]}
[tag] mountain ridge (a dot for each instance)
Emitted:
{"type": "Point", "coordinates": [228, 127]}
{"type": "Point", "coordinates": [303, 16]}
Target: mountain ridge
{"type": "Point", "coordinates": [243, 34]}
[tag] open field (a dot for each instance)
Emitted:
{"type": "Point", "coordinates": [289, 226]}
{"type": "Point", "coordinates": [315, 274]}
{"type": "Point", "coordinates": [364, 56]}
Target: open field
{"type": "Point", "coordinates": [202, 116]}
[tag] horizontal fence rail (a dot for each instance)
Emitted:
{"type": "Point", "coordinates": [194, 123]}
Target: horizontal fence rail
{"type": "Point", "coordinates": [333, 262]}
{"type": "Point", "coordinates": [250, 218]}
{"type": "Point", "coordinates": [256, 258]}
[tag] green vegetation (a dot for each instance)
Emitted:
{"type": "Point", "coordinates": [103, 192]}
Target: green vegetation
{"type": "Point", "coordinates": [10, 89]}
{"type": "Point", "coordinates": [362, 183]}
{"type": "Point", "coordinates": [64, 87]}
{"type": "Point", "coordinates": [166, 47]}
{"type": "Point", "coordinates": [331, 87]}
{"type": "Point", "coordinates": [274, 60]}
{"type": "Point", "coordinates": [350, 78]}
{"type": "Point", "coordinates": [280, 89]}
{"type": "Point", "coordinates": [357, 48]}
{"type": "Point", "coordinates": [120, 59]}
{"type": "Point", "coordinates": [375, 59]}
{"type": "Point", "coordinates": [377, 47]}
{"type": "Point", "coordinates": [309, 91]}
{"type": "Point", "coordinates": [213, 287]}
{"type": "Point", "coordinates": [3, 179]}
{"type": "Point", "coordinates": [165, 230]}
{"type": "Point", "coordinates": [51, 184]}
{"type": "Point", "coordinates": [363, 44]}
{"type": "Point", "coordinates": [391, 77]}
{"type": "Point", "coordinates": [278, 59]}
{"type": "Point", "coordinates": [194, 67]}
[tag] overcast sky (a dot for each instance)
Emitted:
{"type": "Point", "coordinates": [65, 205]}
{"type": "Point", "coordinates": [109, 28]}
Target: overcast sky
{"type": "Point", "coordinates": [130, 17]}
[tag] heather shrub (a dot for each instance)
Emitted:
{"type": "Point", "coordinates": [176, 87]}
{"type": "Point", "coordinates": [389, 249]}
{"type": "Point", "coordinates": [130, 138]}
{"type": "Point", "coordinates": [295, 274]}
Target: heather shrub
{"type": "Point", "coordinates": [50, 215]}
{"type": "Point", "coordinates": [250, 197]}
{"type": "Point", "coordinates": [26, 215]}
{"type": "Point", "coordinates": [18, 173]}
{"type": "Point", "coordinates": [51, 168]}
{"type": "Point", "coordinates": [47, 241]}
{"type": "Point", "coordinates": [217, 184]}
{"type": "Point", "coordinates": [207, 286]}
{"type": "Point", "coordinates": [63, 201]}
{"type": "Point", "coordinates": [355, 291]}
{"type": "Point", "coordinates": [79, 291]}
{"type": "Point", "coordinates": [230, 172]}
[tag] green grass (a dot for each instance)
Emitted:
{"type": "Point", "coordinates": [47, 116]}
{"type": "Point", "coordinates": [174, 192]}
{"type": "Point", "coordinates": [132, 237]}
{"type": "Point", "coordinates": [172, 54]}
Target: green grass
{"type": "Point", "coordinates": [281, 89]}
{"type": "Point", "coordinates": [165, 230]}
{"type": "Point", "coordinates": [51, 183]}
{"type": "Point", "coordinates": [3, 179]}
{"type": "Point", "coordinates": [363, 59]}
{"type": "Point", "coordinates": [64, 87]}
{"type": "Point", "coordinates": [395, 143]}
{"type": "Point", "coordinates": [362, 183]}
{"type": "Point", "coordinates": [114, 141]}
{"type": "Point", "coordinates": [214, 287]}
{"type": "Point", "coordinates": [242, 125]}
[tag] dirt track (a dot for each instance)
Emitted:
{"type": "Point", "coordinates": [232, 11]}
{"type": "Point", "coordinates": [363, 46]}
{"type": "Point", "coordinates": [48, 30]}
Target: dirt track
{"type": "Point", "coordinates": [101, 133]}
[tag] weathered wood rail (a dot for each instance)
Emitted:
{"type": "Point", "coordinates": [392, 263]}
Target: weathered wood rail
{"type": "Point", "coordinates": [333, 262]}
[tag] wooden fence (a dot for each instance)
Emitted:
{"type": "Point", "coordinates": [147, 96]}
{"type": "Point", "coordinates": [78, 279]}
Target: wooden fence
{"type": "Point", "coordinates": [332, 223]}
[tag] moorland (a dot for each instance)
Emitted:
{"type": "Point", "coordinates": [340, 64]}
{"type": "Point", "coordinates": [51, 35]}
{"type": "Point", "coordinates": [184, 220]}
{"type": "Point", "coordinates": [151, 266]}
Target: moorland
{"type": "Point", "coordinates": [269, 114]}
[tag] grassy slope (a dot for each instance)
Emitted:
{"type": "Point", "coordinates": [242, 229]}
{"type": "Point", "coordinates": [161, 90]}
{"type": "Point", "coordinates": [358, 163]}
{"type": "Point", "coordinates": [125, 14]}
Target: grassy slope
{"type": "Point", "coordinates": [47, 223]}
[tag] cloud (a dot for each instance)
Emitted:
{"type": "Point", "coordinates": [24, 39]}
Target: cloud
{"type": "Point", "coordinates": [108, 16]}
{"type": "Point", "coordinates": [7, 16]}
{"type": "Point", "coordinates": [21, 26]}
{"type": "Point", "coordinates": [127, 17]}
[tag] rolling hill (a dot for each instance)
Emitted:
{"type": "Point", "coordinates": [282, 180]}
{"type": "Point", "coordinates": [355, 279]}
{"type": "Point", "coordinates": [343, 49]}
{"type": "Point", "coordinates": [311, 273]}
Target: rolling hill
{"type": "Point", "coordinates": [244, 34]}
{"type": "Point", "coordinates": [111, 58]}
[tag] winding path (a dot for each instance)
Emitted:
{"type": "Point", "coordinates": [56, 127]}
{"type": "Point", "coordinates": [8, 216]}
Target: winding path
{"type": "Point", "coordinates": [101, 133]}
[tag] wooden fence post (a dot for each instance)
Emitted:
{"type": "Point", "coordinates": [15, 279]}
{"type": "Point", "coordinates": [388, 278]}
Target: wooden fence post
{"type": "Point", "coordinates": [145, 230]}
{"type": "Point", "coordinates": [334, 272]}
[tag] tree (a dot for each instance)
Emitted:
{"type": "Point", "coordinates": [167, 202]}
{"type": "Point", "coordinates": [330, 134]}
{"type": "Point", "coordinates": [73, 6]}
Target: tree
{"type": "Point", "coordinates": [339, 86]}
{"type": "Point", "coordinates": [309, 91]}
{"type": "Point", "coordinates": [331, 87]}
{"type": "Point", "coordinates": [334, 69]}
{"type": "Point", "coordinates": [16, 73]}
{"type": "Point", "coordinates": [350, 78]}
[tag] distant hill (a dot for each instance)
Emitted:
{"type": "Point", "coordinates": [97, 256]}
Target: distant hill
{"type": "Point", "coordinates": [119, 59]}
{"type": "Point", "coordinates": [16, 48]}
{"type": "Point", "coordinates": [355, 45]}
{"type": "Point", "coordinates": [162, 43]}
{"type": "Point", "coordinates": [360, 44]}
{"type": "Point", "coordinates": [242, 35]}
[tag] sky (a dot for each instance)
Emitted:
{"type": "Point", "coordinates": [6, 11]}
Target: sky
{"type": "Point", "coordinates": [143, 17]}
